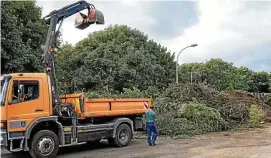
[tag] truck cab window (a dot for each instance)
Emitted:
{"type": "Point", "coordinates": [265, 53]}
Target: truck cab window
{"type": "Point", "coordinates": [25, 91]}
{"type": "Point", "coordinates": [4, 86]}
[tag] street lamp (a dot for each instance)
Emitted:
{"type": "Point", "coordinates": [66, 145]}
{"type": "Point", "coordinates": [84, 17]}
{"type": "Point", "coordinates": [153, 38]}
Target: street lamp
{"type": "Point", "coordinates": [192, 45]}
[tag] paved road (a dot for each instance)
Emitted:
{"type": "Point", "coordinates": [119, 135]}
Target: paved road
{"type": "Point", "coordinates": [242, 144]}
{"type": "Point", "coordinates": [102, 149]}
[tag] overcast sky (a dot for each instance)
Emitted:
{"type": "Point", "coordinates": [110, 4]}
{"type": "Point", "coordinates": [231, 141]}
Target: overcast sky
{"type": "Point", "coordinates": [237, 31]}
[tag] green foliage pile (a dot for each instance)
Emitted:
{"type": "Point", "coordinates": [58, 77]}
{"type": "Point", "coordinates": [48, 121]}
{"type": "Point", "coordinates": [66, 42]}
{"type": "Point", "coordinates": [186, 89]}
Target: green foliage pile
{"type": "Point", "coordinates": [220, 108]}
{"type": "Point", "coordinates": [267, 100]}
{"type": "Point", "coordinates": [105, 93]}
{"type": "Point", "coordinates": [151, 92]}
{"type": "Point", "coordinates": [255, 116]}
{"type": "Point", "coordinates": [190, 119]}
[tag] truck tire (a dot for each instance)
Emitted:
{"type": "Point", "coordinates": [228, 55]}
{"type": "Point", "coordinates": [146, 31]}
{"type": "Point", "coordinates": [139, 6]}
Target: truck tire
{"type": "Point", "coordinates": [123, 136]}
{"type": "Point", "coordinates": [44, 144]}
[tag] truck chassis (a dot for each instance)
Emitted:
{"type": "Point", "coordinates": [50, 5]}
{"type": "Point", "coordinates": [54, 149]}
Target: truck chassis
{"type": "Point", "coordinates": [45, 135]}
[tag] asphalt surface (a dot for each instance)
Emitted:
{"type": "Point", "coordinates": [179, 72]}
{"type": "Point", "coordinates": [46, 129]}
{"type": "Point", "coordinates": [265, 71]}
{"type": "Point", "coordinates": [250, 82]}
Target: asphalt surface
{"type": "Point", "coordinates": [242, 144]}
{"type": "Point", "coordinates": [102, 149]}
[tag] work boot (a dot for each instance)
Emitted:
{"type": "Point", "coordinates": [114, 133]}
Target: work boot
{"type": "Point", "coordinates": [153, 143]}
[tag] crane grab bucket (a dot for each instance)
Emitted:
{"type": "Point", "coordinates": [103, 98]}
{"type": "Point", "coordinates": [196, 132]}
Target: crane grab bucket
{"type": "Point", "coordinates": [83, 21]}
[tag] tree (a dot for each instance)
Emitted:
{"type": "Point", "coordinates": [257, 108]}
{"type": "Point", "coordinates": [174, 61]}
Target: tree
{"type": "Point", "coordinates": [261, 82]}
{"type": "Point", "coordinates": [118, 57]}
{"type": "Point", "coordinates": [191, 72]}
{"type": "Point", "coordinates": [221, 74]}
{"type": "Point", "coordinates": [22, 35]}
{"type": "Point", "coordinates": [240, 78]}
{"type": "Point", "coordinates": [215, 72]}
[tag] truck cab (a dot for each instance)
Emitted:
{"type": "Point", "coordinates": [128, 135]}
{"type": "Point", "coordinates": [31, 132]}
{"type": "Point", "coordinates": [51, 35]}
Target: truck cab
{"type": "Point", "coordinates": [24, 97]}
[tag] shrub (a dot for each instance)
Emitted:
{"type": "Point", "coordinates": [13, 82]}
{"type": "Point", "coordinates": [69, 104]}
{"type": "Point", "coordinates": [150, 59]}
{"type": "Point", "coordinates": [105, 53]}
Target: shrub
{"type": "Point", "coordinates": [105, 92]}
{"type": "Point", "coordinates": [176, 126]}
{"type": "Point", "coordinates": [132, 93]}
{"type": "Point", "coordinates": [189, 119]}
{"type": "Point", "coordinates": [255, 116]}
{"type": "Point", "coordinates": [207, 119]}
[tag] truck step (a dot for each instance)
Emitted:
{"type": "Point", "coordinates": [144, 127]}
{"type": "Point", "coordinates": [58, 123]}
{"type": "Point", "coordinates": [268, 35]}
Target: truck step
{"type": "Point", "coordinates": [16, 149]}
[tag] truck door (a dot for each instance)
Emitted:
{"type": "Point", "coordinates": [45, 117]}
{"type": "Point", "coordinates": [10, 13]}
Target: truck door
{"type": "Point", "coordinates": [25, 103]}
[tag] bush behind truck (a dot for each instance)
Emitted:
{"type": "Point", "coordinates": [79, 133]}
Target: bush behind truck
{"type": "Point", "coordinates": [35, 118]}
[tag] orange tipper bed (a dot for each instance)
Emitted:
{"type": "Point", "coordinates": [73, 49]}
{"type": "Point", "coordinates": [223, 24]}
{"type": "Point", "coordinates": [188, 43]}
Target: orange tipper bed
{"type": "Point", "coordinates": [86, 107]}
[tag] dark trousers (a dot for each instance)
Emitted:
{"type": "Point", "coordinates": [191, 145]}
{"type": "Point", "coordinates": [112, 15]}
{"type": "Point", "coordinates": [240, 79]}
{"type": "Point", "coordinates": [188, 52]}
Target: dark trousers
{"type": "Point", "coordinates": [151, 132]}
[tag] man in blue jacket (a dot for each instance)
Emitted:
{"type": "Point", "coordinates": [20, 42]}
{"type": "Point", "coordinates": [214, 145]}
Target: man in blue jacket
{"type": "Point", "coordinates": [151, 126]}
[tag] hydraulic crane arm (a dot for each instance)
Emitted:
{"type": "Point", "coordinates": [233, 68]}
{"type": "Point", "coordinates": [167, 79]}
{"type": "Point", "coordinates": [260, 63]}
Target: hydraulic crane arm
{"type": "Point", "coordinates": [56, 16]}
{"type": "Point", "coordinates": [68, 11]}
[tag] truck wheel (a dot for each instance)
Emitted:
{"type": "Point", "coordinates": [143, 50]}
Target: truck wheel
{"type": "Point", "coordinates": [44, 144]}
{"type": "Point", "coordinates": [123, 136]}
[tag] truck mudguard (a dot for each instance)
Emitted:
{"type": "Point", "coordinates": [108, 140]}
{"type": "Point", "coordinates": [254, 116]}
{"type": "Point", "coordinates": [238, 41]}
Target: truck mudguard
{"type": "Point", "coordinates": [118, 121]}
{"type": "Point", "coordinates": [40, 120]}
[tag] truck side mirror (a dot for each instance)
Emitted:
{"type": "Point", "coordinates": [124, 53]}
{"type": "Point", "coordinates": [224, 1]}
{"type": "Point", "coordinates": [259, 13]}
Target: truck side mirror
{"type": "Point", "coordinates": [21, 91]}
{"type": "Point", "coordinates": [83, 21]}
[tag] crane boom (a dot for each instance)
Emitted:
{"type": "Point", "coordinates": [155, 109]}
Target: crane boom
{"type": "Point", "coordinates": [68, 11]}
{"type": "Point", "coordinates": [52, 19]}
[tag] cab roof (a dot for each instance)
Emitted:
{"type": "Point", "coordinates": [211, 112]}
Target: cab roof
{"type": "Point", "coordinates": [28, 74]}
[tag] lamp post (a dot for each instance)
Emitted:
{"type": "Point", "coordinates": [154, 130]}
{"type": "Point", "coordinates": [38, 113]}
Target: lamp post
{"type": "Point", "coordinates": [192, 45]}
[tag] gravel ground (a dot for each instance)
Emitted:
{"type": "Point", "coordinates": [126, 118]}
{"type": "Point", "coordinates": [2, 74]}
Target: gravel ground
{"type": "Point", "coordinates": [242, 144]}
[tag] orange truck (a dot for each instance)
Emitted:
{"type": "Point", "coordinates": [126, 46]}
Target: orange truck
{"type": "Point", "coordinates": [35, 118]}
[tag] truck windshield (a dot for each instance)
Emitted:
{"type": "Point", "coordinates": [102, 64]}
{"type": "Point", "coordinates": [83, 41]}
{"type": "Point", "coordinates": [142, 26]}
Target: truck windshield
{"type": "Point", "coordinates": [4, 85]}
